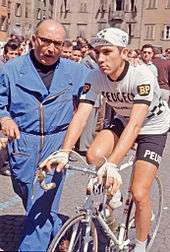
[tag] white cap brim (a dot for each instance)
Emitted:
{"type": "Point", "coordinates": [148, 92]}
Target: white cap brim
{"type": "Point", "coordinates": [99, 42]}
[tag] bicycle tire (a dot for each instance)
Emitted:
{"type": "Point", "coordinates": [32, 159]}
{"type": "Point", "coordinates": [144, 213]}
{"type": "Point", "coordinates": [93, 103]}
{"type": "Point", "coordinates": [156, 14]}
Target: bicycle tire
{"type": "Point", "coordinates": [66, 232]}
{"type": "Point", "coordinates": [157, 191]}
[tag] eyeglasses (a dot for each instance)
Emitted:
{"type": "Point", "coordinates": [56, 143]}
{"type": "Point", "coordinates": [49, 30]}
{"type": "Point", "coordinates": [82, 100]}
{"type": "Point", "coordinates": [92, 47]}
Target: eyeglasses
{"type": "Point", "coordinates": [48, 42]}
{"type": "Point", "coordinates": [145, 52]}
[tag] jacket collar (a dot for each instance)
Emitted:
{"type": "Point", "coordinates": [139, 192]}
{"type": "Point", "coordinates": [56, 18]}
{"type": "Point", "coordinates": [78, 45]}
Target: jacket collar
{"type": "Point", "coordinates": [29, 78]}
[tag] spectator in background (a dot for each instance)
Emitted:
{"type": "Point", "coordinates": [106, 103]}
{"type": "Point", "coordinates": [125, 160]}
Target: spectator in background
{"type": "Point", "coordinates": [12, 36]}
{"type": "Point", "coordinates": [147, 53]}
{"type": "Point", "coordinates": [76, 54]}
{"type": "Point", "coordinates": [163, 66]}
{"type": "Point", "coordinates": [84, 49]}
{"type": "Point", "coordinates": [11, 49]}
{"type": "Point", "coordinates": [28, 45]}
{"type": "Point", "coordinates": [67, 49]}
{"type": "Point", "coordinates": [167, 53]}
{"type": "Point", "coordinates": [133, 53]}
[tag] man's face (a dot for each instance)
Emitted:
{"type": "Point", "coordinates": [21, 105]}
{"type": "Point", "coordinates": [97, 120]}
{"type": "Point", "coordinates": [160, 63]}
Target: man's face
{"type": "Point", "coordinates": [11, 54]}
{"type": "Point", "coordinates": [76, 55]}
{"type": "Point", "coordinates": [109, 59]}
{"type": "Point", "coordinates": [147, 54]}
{"type": "Point", "coordinates": [66, 52]}
{"type": "Point", "coordinates": [84, 49]}
{"type": "Point", "coordinates": [167, 54]}
{"type": "Point", "coordinates": [48, 43]}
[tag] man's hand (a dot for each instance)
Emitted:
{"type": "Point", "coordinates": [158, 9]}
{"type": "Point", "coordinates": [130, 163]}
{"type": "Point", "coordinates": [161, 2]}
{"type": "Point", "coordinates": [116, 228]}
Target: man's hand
{"type": "Point", "coordinates": [9, 128]}
{"type": "Point", "coordinates": [3, 142]}
{"type": "Point", "coordinates": [60, 157]}
{"type": "Point", "coordinates": [113, 178]}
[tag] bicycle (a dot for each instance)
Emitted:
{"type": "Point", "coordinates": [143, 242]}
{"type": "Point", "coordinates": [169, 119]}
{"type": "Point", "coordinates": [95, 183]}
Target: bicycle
{"type": "Point", "coordinates": [81, 231]}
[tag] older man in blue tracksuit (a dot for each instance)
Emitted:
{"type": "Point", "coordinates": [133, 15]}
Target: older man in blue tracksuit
{"type": "Point", "coordinates": [37, 97]}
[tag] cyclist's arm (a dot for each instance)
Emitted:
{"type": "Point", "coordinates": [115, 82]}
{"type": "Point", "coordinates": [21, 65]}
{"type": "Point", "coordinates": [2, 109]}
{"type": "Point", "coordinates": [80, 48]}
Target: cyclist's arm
{"type": "Point", "coordinates": [77, 125]}
{"type": "Point", "coordinates": [130, 133]}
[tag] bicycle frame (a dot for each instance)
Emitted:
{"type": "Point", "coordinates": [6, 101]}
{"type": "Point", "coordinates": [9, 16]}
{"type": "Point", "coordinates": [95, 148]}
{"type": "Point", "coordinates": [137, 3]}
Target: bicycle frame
{"type": "Point", "coordinates": [92, 212]}
{"type": "Point", "coordinates": [84, 228]}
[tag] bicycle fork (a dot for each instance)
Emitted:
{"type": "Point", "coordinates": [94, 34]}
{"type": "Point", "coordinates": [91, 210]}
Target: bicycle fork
{"type": "Point", "coordinates": [120, 242]}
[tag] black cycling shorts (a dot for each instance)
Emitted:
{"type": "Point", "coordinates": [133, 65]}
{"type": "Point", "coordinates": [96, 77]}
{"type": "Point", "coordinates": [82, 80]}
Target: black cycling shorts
{"type": "Point", "coordinates": [150, 147]}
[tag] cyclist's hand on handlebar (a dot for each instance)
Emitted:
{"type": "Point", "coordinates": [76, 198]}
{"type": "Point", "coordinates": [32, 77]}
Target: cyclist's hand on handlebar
{"type": "Point", "coordinates": [59, 158]}
{"type": "Point", "coordinates": [113, 178]}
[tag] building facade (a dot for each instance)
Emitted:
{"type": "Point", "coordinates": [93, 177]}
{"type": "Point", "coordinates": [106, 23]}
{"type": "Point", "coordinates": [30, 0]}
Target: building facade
{"type": "Point", "coordinates": [155, 23]}
{"type": "Point", "coordinates": [25, 14]}
{"type": "Point", "coordinates": [3, 19]}
{"type": "Point", "coordinates": [86, 17]}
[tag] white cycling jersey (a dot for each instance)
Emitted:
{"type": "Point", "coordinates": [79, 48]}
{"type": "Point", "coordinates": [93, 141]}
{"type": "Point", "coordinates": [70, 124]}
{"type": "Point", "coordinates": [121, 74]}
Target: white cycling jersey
{"type": "Point", "coordinates": [136, 84]}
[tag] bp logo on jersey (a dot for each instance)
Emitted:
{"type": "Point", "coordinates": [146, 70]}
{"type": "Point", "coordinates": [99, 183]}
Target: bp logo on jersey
{"type": "Point", "coordinates": [143, 89]}
{"type": "Point", "coordinates": [86, 88]}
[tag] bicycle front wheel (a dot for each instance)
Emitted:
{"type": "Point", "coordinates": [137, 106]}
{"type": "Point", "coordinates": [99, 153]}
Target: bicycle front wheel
{"type": "Point", "coordinates": [78, 234]}
{"type": "Point", "coordinates": [156, 196]}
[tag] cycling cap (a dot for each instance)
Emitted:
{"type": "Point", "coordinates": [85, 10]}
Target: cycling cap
{"type": "Point", "coordinates": [110, 36]}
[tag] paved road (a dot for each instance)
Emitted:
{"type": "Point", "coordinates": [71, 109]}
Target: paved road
{"type": "Point", "coordinates": [11, 211]}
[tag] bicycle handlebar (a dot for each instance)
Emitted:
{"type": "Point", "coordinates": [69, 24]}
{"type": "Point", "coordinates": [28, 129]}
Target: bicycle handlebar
{"type": "Point", "coordinates": [41, 174]}
{"type": "Point", "coordinates": [87, 169]}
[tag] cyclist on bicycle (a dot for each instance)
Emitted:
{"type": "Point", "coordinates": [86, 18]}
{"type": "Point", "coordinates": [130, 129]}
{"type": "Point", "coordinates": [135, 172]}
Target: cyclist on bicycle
{"type": "Point", "coordinates": [141, 116]}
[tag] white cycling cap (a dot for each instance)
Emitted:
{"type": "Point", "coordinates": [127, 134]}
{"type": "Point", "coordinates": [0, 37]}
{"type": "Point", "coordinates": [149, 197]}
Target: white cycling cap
{"type": "Point", "coordinates": [110, 36]}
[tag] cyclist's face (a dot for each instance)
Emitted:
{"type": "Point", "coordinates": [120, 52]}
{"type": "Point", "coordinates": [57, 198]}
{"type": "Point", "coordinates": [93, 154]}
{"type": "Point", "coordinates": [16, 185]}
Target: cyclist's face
{"type": "Point", "coordinates": [48, 43]}
{"type": "Point", "coordinates": [110, 59]}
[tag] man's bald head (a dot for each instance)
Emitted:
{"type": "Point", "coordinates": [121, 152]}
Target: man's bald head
{"type": "Point", "coordinates": [48, 41]}
{"type": "Point", "coordinates": [50, 25]}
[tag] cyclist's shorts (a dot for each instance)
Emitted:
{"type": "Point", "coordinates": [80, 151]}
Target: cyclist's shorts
{"type": "Point", "coordinates": [150, 147]}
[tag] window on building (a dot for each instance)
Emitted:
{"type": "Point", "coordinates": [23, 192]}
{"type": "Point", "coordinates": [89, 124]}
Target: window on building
{"type": "Point", "coordinates": [103, 4]}
{"type": "Point", "coordinates": [130, 5]}
{"type": "Point", "coordinates": [83, 7]}
{"type": "Point", "coordinates": [18, 10]}
{"type": "Point", "coordinates": [131, 30]}
{"type": "Point", "coordinates": [149, 31]}
{"type": "Point", "coordinates": [119, 5]}
{"type": "Point", "coordinates": [39, 14]}
{"type": "Point", "coordinates": [18, 29]}
{"type": "Point", "coordinates": [26, 11]}
{"type": "Point", "coordinates": [81, 30]}
{"type": "Point", "coordinates": [101, 25]}
{"type": "Point", "coordinates": [44, 14]}
{"type": "Point", "coordinates": [66, 5]}
{"type": "Point", "coordinates": [4, 2]}
{"type": "Point", "coordinates": [166, 32]}
{"type": "Point", "coordinates": [152, 4]}
{"type": "Point", "coordinates": [168, 4]}
{"type": "Point", "coordinates": [3, 23]}
{"type": "Point", "coordinates": [67, 28]}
